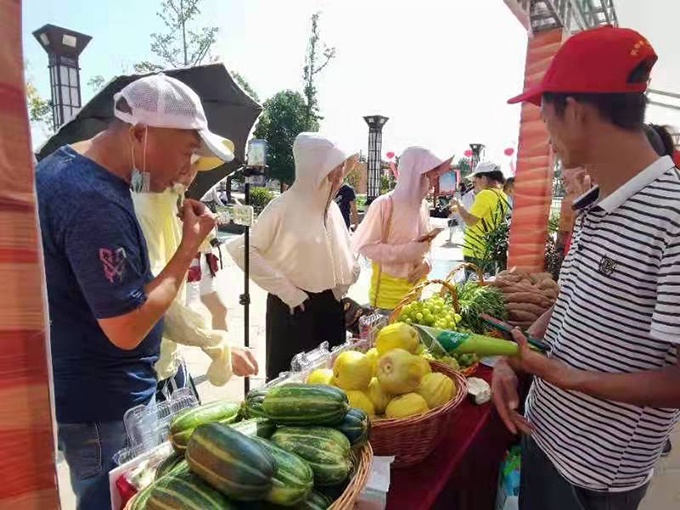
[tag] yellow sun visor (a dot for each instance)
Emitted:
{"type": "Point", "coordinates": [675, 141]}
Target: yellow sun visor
{"type": "Point", "coordinates": [207, 163]}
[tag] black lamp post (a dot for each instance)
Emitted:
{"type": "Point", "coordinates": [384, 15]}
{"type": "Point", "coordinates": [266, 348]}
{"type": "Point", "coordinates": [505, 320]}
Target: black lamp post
{"type": "Point", "coordinates": [63, 48]}
{"type": "Point", "coordinates": [477, 152]}
{"type": "Point", "coordinates": [374, 162]}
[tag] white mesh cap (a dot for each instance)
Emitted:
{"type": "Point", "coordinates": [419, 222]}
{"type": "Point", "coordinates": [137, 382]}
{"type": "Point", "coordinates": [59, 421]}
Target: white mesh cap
{"type": "Point", "coordinates": [164, 102]}
{"type": "Point", "coordinates": [484, 167]}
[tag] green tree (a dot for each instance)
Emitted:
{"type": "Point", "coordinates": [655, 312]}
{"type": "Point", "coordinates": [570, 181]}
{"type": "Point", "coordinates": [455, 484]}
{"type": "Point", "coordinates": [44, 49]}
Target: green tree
{"type": "Point", "coordinates": [317, 58]}
{"type": "Point", "coordinates": [464, 166]}
{"type": "Point", "coordinates": [284, 117]}
{"type": "Point", "coordinates": [96, 83]}
{"type": "Point", "coordinates": [39, 110]}
{"type": "Point", "coordinates": [182, 44]}
{"type": "Point", "coordinates": [243, 83]}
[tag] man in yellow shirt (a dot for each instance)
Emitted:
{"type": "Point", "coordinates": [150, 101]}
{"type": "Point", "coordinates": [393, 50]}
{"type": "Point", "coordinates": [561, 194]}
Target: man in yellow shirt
{"type": "Point", "coordinates": [487, 212]}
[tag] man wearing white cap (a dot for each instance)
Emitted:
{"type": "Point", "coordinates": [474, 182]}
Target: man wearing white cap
{"type": "Point", "coordinates": [106, 307]}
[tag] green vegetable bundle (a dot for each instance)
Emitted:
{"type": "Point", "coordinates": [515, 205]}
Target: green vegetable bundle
{"type": "Point", "coordinates": [476, 299]}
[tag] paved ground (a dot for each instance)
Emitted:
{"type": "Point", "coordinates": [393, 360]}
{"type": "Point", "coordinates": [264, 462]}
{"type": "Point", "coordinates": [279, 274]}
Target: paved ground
{"type": "Point", "coordinates": [664, 492]}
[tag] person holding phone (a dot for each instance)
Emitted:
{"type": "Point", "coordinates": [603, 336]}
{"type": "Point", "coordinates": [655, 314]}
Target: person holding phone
{"type": "Point", "coordinates": [487, 212]}
{"type": "Point", "coordinates": [396, 234]}
{"type": "Point", "coordinates": [300, 253]}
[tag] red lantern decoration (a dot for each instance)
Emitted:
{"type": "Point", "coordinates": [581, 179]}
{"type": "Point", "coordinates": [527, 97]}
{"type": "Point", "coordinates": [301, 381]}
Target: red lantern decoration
{"type": "Point", "coordinates": [509, 151]}
{"type": "Point", "coordinates": [468, 153]}
{"type": "Point", "coordinates": [390, 155]}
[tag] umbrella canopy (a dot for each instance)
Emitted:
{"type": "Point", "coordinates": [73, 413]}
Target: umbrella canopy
{"type": "Point", "coordinates": [230, 112]}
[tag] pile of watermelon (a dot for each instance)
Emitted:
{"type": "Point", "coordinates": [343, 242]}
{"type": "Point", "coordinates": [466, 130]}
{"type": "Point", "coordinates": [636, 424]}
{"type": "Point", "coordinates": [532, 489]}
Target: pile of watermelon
{"type": "Point", "coordinates": [294, 446]}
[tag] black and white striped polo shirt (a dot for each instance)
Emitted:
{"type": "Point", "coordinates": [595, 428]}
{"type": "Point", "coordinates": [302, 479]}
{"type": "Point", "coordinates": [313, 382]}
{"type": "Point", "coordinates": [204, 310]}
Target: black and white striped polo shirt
{"type": "Point", "coordinates": [618, 311]}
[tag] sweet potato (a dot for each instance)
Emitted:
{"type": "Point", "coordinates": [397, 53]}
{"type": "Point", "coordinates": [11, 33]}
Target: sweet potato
{"type": "Point", "coordinates": [519, 315]}
{"type": "Point", "coordinates": [533, 298]}
{"type": "Point", "coordinates": [547, 284]}
{"type": "Point", "coordinates": [526, 307]}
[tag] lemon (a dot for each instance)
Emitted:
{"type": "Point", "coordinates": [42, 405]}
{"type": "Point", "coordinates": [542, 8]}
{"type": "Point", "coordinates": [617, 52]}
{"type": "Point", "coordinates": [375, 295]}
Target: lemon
{"type": "Point", "coordinates": [321, 376]}
{"type": "Point", "coordinates": [410, 404]}
{"type": "Point", "coordinates": [399, 372]}
{"type": "Point", "coordinates": [437, 389]}
{"type": "Point", "coordinates": [397, 336]}
{"type": "Point", "coordinates": [352, 370]}
{"type": "Point", "coordinates": [378, 397]}
{"type": "Point", "coordinates": [373, 355]}
{"type": "Point", "coordinates": [359, 400]}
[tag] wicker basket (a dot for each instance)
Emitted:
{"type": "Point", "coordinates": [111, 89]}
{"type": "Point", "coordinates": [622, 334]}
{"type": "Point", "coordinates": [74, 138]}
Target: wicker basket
{"type": "Point", "coordinates": [417, 291]}
{"type": "Point", "coordinates": [412, 439]}
{"type": "Point", "coordinates": [466, 265]}
{"type": "Point", "coordinates": [348, 498]}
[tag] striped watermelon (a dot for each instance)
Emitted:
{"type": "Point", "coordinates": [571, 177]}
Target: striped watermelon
{"type": "Point", "coordinates": [233, 463]}
{"type": "Point", "coordinates": [315, 501]}
{"type": "Point", "coordinates": [186, 422]}
{"type": "Point", "coordinates": [326, 450]}
{"type": "Point", "coordinates": [356, 426]}
{"type": "Point", "coordinates": [252, 405]}
{"type": "Point", "coordinates": [260, 427]}
{"type": "Point", "coordinates": [294, 477]}
{"type": "Point", "coordinates": [183, 490]}
{"type": "Point", "coordinates": [168, 464]}
{"type": "Point", "coordinates": [306, 404]}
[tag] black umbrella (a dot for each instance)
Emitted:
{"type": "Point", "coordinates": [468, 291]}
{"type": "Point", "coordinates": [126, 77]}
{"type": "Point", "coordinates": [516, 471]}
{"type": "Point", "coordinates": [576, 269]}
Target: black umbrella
{"type": "Point", "coordinates": [230, 111]}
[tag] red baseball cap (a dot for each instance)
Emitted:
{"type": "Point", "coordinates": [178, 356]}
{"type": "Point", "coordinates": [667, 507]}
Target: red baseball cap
{"type": "Point", "coordinates": [599, 60]}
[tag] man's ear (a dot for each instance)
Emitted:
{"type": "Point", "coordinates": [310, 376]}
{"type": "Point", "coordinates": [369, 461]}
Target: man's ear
{"type": "Point", "coordinates": [578, 113]}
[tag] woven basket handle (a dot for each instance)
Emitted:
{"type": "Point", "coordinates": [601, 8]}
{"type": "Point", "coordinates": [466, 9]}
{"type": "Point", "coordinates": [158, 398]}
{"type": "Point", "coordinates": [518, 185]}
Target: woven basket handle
{"type": "Point", "coordinates": [465, 265]}
{"type": "Point", "coordinates": [417, 291]}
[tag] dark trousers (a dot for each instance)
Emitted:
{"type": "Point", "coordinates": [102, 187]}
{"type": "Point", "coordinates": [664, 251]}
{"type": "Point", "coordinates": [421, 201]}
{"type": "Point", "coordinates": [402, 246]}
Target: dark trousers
{"type": "Point", "coordinates": [543, 488]}
{"type": "Point", "coordinates": [322, 321]}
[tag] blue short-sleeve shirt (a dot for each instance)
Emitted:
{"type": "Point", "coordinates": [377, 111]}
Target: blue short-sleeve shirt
{"type": "Point", "coordinates": [97, 266]}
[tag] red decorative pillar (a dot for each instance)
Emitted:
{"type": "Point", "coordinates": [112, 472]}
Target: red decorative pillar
{"type": "Point", "coordinates": [28, 478]}
{"type": "Point", "coordinates": [534, 176]}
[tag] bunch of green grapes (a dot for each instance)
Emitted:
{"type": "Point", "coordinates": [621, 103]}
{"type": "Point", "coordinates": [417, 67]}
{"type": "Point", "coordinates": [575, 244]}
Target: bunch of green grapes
{"type": "Point", "coordinates": [454, 361]}
{"type": "Point", "coordinates": [431, 312]}
{"type": "Point", "coordinates": [465, 360]}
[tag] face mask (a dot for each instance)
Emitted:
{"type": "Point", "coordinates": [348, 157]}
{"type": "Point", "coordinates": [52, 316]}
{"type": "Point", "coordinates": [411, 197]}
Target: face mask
{"type": "Point", "coordinates": [140, 181]}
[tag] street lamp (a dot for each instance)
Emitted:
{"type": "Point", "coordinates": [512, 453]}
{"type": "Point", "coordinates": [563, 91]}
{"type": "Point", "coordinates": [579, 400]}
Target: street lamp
{"type": "Point", "coordinates": [477, 153]}
{"type": "Point", "coordinates": [63, 48]}
{"type": "Point", "coordinates": [374, 163]}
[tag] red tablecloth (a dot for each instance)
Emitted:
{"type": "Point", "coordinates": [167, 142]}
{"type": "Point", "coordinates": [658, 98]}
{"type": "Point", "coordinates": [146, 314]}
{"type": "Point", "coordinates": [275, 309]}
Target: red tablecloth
{"type": "Point", "coordinates": [462, 473]}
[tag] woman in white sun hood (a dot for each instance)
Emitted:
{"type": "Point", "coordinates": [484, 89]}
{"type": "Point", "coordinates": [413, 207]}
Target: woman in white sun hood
{"type": "Point", "coordinates": [300, 253]}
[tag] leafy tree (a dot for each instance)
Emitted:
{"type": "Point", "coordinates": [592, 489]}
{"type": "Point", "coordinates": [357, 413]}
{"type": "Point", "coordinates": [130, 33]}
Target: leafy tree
{"type": "Point", "coordinates": [464, 166]}
{"type": "Point", "coordinates": [180, 45]}
{"type": "Point", "coordinates": [96, 83]}
{"type": "Point", "coordinates": [39, 110]}
{"type": "Point", "coordinates": [245, 85]}
{"type": "Point", "coordinates": [283, 118]}
{"type": "Point", "coordinates": [317, 58]}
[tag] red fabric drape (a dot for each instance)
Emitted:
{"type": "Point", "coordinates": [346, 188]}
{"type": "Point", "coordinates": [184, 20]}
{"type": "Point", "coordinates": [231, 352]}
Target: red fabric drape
{"type": "Point", "coordinates": [27, 471]}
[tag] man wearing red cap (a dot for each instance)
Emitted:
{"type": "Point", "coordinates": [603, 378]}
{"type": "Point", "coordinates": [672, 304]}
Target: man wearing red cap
{"type": "Point", "coordinates": [605, 399]}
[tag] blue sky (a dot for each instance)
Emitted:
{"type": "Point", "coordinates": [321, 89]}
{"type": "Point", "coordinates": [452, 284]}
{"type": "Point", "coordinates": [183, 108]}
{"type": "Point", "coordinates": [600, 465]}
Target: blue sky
{"type": "Point", "coordinates": [440, 69]}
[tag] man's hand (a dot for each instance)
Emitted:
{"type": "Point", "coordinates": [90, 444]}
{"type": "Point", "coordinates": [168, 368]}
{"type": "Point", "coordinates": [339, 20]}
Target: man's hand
{"type": "Point", "coordinates": [198, 222]}
{"type": "Point", "coordinates": [506, 400]}
{"type": "Point", "coordinates": [548, 369]}
{"type": "Point", "coordinates": [419, 272]}
{"type": "Point", "coordinates": [243, 362]}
